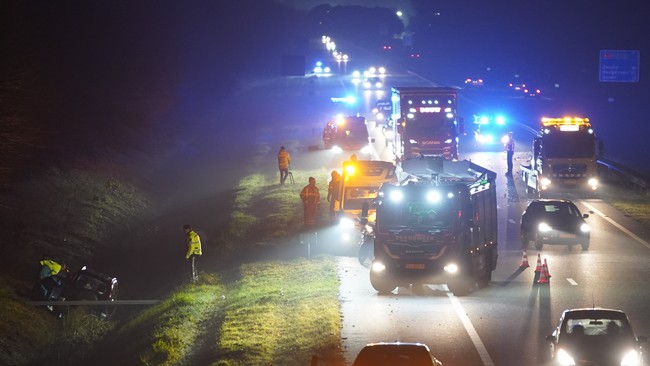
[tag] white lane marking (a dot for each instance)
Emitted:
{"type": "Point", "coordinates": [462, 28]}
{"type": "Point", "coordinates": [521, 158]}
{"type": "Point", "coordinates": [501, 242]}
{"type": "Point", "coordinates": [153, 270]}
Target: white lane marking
{"type": "Point", "coordinates": [473, 335]}
{"type": "Point", "coordinates": [571, 281]}
{"type": "Point", "coordinates": [619, 226]}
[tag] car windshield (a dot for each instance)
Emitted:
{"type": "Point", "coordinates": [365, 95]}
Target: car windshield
{"type": "Point", "coordinates": [556, 209]}
{"type": "Point", "coordinates": [588, 329]}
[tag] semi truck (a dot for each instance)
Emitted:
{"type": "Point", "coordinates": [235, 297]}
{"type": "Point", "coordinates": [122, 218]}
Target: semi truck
{"type": "Point", "coordinates": [438, 226]}
{"type": "Point", "coordinates": [425, 122]}
{"type": "Point", "coordinates": [564, 157]}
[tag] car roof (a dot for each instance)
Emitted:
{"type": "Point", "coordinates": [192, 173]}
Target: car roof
{"type": "Point", "coordinates": [593, 313]}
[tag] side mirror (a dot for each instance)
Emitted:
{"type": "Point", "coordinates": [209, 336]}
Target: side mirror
{"type": "Point", "coordinates": [584, 216]}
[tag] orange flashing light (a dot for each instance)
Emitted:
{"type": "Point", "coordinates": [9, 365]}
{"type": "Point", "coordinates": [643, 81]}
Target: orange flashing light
{"type": "Point", "coordinates": [575, 121]}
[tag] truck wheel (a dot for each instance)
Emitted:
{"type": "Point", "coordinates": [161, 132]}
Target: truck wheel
{"type": "Point", "coordinates": [460, 286]}
{"type": "Point", "coordinates": [538, 245]}
{"type": "Point", "coordinates": [382, 284]}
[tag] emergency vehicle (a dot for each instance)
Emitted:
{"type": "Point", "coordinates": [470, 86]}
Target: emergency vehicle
{"type": "Point", "coordinates": [437, 227]}
{"type": "Point", "coordinates": [351, 134]}
{"type": "Point", "coordinates": [425, 122]}
{"type": "Point", "coordinates": [564, 157]}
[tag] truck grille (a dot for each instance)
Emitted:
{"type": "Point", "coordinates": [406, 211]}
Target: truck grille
{"type": "Point", "coordinates": [421, 251]}
{"type": "Point", "coordinates": [569, 170]}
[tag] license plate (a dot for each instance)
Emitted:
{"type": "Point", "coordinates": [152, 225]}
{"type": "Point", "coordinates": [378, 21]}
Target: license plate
{"type": "Point", "coordinates": [567, 236]}
{"type": "Point", "coordinates": [415, 266]}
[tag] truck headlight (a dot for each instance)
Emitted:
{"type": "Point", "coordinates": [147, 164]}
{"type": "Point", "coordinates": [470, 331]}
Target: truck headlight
{"type": "Point", "coordinates": [593, 183]}
{"type": "Point", "coordinates": [545, 182]}
{"type": "Point", "coordinates": [337, 149]}
{"type": "Point", "coordinates": [631, 358]}
{"type": "Point", "coordinates": [451, 268]}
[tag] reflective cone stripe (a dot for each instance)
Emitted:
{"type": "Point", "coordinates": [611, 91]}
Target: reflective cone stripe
{"type": "Point", "coordinates": [548, 274]}
{"type": "Point", "coordinates": [538, 268]}
{"type": "Point", "coordinates": [524, 261]}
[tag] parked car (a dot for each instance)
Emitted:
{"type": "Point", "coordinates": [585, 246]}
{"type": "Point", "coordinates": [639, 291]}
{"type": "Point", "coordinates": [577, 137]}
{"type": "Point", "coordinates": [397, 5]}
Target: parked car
{"type": "Point", "coordinates": [395, 354]}
{"type": "Point", "coordinates": [595, 336]}
{"type": "Point", "coordinates": [554, 221]}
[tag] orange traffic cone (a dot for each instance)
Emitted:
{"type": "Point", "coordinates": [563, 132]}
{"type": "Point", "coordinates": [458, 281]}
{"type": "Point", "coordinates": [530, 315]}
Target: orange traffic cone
{"type": "Point", "coordinates": [538, 268]}
{"type": "Point", "coordinates": [544, 276]}
{"type": "Point", "coordinates": [524, 261]}
{"type": "Point", "coordinates": [548, 274]}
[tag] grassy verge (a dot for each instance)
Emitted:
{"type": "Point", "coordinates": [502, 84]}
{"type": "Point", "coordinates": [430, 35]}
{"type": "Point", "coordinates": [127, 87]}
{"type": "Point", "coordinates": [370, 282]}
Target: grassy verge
{"type": "Point", "coordinates": [282, 313]}
{"type": "Point", "coordinates": [632, 203]}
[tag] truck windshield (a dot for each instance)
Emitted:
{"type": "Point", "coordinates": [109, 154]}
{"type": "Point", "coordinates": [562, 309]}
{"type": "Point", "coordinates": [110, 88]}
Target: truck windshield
{"type": "Point", "coordinates": [570, 145]}
{"type": "Point", "coordinates": [431, 125]}
{"type": "Point", "coordinates": [416, 215]}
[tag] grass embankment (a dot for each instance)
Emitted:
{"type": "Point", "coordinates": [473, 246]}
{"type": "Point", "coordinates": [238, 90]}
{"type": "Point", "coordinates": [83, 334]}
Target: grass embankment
{"type": "Point", "coordinates": [632, 203]}
{"type": "Point", "coordinates": [262, 313]}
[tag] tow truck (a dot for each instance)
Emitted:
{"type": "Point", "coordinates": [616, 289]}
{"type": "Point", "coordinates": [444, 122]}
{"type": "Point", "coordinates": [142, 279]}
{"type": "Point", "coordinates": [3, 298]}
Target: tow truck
{"type": "Point", "coordinates": [425, 122]}
{"type": "Point", "coordinates": [360, 183]}
{"type": "Point", "coordinates": [564, 157]}
{"type": "Point", "coordinates": [438, 226]}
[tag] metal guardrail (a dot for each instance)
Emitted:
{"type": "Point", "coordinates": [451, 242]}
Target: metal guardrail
{"type": "Point", "coordinates": [93, 302]}
{"type": "Point", "coordinates": [627, 174]}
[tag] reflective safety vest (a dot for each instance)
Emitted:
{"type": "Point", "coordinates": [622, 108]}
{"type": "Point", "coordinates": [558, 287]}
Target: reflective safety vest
{"type": "Point", "coordinates": [193, 244]}
{"type": "Point", "coordinates": [49, 268]}
{"type": "Point", "coordinates": [284, 159]}
{"type": "Point", "coordinates": [310, 194]}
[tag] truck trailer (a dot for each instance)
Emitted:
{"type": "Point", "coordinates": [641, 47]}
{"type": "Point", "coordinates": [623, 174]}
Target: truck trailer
{"type": "Point", "coordinates": [425, 122]}
{"type": "Point", "coordinates": [438, 226]}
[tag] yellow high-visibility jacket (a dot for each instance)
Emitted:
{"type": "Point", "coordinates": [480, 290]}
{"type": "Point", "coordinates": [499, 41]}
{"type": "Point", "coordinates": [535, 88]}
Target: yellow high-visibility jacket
{"type": "Point", "coordinates": [284, 159]}
{"type": "Point", "coordinates": [54, 268]}
{"type": "Point", "coordinates": [193, 244]}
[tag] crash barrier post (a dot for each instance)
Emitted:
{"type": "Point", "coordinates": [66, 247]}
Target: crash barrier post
{"type": "Point", "coordinates": [307, 239]}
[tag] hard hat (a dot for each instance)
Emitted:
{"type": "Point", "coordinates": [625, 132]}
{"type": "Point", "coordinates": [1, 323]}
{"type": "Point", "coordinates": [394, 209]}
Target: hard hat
{"type": "Point", "coordinates": [187, 227]}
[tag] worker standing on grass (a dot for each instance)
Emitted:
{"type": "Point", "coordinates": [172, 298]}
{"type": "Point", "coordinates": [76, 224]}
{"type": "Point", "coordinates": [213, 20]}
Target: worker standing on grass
{"type": "Point", "coordinates": [193, 249]}
{"type": "Point", "coordinates": [510, 151]}
{"type": "Point", "coordinates": [310, 197]}
{"type": "Point", "coordinates": [333, 192]}
{"type": "Point", "coordinates": [284, 160]}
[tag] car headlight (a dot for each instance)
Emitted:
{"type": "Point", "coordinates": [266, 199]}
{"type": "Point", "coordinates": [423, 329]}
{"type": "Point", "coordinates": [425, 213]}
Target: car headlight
{"type": "Point", "coordinates": [413, 141]}
{"type": "Point", "coordinates": [584, 228]}
{"type": "Point", "coordinates": [631, 358]}
{"type": "Point", "coordinates": [544, 227]}
{"type": "Point", "coordinates": [346, 223]}
{"type": "Point", "coordinates": [378, 267]}
{"type": "Point", "coordinates": [563, 358]}
{"type": "Point", "coordinates": [545, 182]}
{"type": "Point", "coordinates": [593, 182]}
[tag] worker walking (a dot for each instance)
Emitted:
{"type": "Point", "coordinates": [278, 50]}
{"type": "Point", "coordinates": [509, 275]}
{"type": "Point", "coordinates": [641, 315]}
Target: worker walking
{"type": "Point", "coordinates": [284, 160]}
{"type": "Point", "coordinates": [333, 192]}
{"type": "Point", "coordinates": [310, 197]}
{"type": "Point", "coordinates": [193, 249]}
{"type": "Point", "coordinates": [510, 151]}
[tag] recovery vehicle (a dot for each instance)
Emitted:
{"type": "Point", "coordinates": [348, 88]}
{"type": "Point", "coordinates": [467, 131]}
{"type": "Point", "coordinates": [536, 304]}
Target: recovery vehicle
{"type": "Point", "coordinates": [564, 157]}
{"type": "Point", "coordinates": [425, 122]}
{"type": "Point", "coordinates": [438, 226]}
